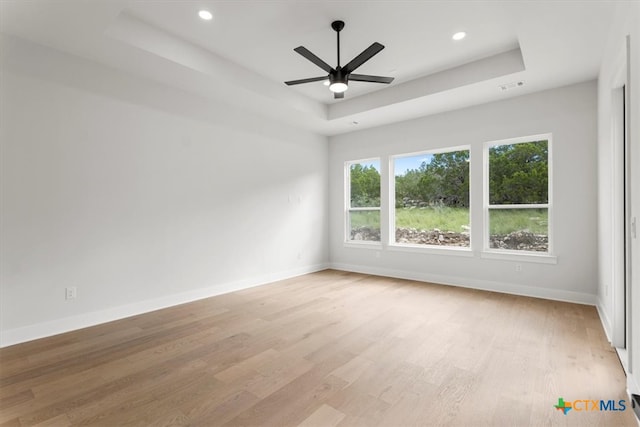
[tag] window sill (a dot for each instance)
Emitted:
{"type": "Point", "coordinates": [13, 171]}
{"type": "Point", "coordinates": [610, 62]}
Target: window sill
{"type": "Point", "coordinates": [363, 244]}
{"type": "Point", "coordinates": [541, 258]}
{"type": "Point", "coordinates": [432, 249]}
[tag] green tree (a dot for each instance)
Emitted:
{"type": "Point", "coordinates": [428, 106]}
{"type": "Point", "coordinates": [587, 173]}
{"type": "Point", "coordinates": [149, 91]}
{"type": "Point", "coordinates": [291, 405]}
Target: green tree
{"type": "Point", "coordinates": [407, 186]}
{"type": "Point", "coordinates": [443, 180]}
{"type": "Point", "coordinates": [518, 173]}
{"type": "Point", "coordinates": [365, 186]}
{"type": "Point", "coordinates": [446, 179]}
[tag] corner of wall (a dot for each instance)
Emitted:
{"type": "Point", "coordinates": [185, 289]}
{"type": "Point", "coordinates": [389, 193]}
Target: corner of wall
{"type": "Point", "coordinates": [604, 318]}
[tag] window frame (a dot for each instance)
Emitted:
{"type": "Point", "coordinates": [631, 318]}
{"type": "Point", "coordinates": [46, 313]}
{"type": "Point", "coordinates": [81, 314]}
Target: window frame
{"type": "Point", "coordinates": [487, 250]}
{"type": "Point", "coordinates": [414, 247]}
{"type": "Point", "coordinates": [348, 208]}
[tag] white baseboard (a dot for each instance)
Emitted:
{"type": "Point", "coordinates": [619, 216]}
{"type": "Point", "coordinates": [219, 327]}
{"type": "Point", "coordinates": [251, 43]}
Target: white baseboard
{"type": "Point", "coordinates": [632, 388]}
{"type": "Point", "coordinates": [71, 323]}
{"type": "Point", "coordinates": [632, 385]}
{"type": "Point", "coordinates": [486, 285]}
{"type": "Point", "coordinates": [604, 319]}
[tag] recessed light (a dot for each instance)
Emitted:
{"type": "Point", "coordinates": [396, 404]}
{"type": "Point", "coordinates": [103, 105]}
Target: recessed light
{"type": "Point", "coordinates": [459, 35]}
{"type": "Point", "coordinates": [206, 15]}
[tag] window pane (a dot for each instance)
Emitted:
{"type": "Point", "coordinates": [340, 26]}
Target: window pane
{"type": "Point", "coordinates": [519, 173]}
{"type": "Point", "coordinates": [365, 225]}
{"type": "Point", "coordinates": [519, 229]}
{"type": "Point", "coordinates": [432, 199]}
{"type": "Point", "coordinates": [365, 184]}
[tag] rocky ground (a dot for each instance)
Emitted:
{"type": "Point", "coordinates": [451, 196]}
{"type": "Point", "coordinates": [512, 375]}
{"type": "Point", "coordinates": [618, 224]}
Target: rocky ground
{"type": "Point", "coordinates": [522, 241]}
{"type": "Point", "coordinates": [518, 240]}
{"type": "Point", "coordinates": [431, 237]}
{"type": "Point", "coordinates": [365, 233]}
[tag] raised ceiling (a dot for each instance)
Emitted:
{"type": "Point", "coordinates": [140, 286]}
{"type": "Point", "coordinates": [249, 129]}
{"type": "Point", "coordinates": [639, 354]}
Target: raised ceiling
{"type": "Point", "coordinates": [246, 52]}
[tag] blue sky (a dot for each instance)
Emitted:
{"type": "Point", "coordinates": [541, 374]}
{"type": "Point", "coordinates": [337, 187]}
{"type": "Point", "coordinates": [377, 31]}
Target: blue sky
{"type": "Point", "coordinates": [402, 164]}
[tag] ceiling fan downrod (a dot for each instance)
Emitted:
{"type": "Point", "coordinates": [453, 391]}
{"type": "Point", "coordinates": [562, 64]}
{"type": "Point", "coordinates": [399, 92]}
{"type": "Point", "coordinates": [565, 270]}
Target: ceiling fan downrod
{"type": "Point", "coordinates": [337, 27]}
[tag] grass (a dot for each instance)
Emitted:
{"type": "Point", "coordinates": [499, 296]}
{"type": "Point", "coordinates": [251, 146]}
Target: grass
{"type": "Point", "coordinates": [502, 221]}
{"type": "Point", "coordinates": [369, 219]}
{"type": "Point", "coordinates": [442, 218]}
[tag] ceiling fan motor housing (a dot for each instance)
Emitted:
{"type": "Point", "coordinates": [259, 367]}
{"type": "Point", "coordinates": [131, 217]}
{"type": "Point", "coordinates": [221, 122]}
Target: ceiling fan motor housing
{"type": "Point", "coordinates": [338, 76]}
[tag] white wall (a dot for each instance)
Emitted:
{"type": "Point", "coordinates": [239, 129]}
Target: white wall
{"type": "Point", "coordinates": [626, 23]}
{"type": "Point", "coordinates": [141, 195]}
{"type": "Point", "coordinates": [569, 113]}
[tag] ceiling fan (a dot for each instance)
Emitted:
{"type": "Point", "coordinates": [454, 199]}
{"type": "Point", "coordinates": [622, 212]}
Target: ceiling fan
{"type": "Point", "coordinates": [339, 77]}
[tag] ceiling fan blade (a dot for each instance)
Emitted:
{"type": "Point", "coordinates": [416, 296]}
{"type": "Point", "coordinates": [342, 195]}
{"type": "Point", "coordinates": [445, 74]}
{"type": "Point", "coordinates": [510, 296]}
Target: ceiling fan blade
{"type": "Point", "coordinates": [371, 79]}
{"type": "Point", "coordinates": [313, 58]}
{"type": "Point", "coordinates": [309, 80]}
{"type": "Point", "coordinates": [366, 55]}
{"type": "Point", "coordinates": [338, 95]}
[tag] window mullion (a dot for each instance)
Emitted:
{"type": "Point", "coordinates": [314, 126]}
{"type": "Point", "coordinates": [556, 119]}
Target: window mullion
{"type": "Point", "coordinates": [513, 206]}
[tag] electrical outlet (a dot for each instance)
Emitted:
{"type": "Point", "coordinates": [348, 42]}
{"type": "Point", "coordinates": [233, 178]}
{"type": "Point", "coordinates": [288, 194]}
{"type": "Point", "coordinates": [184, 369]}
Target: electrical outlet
{"type": "Point", "coordinates": [519, 268]}
{"type": "Point", "coordinates": [71, 292]}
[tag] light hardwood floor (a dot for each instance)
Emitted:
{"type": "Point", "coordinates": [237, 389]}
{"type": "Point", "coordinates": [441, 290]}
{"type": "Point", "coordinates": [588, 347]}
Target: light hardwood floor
{"type": "Point", "coordinates": [325, 349]}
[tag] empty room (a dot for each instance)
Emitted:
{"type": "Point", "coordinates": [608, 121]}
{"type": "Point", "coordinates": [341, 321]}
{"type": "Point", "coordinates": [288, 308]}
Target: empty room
{"type": "Point", "coordinates": [319, 213]}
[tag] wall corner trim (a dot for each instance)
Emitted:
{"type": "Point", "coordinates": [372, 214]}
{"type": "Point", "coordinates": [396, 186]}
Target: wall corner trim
{"type": "Point", "coordinates": [604, 319]}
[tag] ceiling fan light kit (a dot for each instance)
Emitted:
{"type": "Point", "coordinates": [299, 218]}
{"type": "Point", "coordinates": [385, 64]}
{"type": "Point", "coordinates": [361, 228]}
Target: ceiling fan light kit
{"type": "Point", "coordinates": [338, 82]}
{"type": "Point", "coordinates": [339, 76]}
{"type": "Point", "coordinates": [338, 87]}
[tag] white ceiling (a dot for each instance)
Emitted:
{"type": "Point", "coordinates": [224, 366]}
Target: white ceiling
{"type": "Point", "coordinates": [246, 52]}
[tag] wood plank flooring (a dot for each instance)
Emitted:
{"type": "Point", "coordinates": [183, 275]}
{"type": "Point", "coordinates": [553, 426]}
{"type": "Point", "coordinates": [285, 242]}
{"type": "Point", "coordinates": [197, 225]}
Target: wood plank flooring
{"type": "Point", "coordinates": [325, 349]}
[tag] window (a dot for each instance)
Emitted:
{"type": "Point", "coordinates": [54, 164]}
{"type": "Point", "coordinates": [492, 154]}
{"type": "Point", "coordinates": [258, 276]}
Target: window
{"type": "Point", "coordinates": [517, 195]}
{"type": "Point", "coordinates": [363, 200]}
{"type": "Point", "coordinates": [432, 198]}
